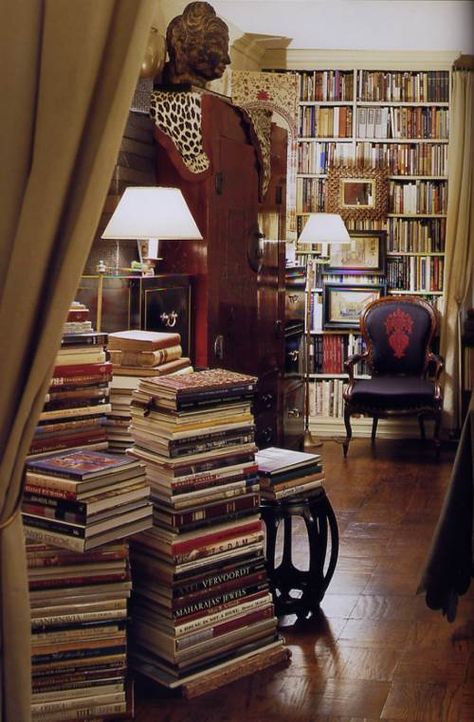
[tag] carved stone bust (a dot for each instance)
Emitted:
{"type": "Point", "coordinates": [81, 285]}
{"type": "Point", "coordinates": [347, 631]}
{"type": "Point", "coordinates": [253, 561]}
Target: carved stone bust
{"type": "Point", "coordinates": [198, 46]}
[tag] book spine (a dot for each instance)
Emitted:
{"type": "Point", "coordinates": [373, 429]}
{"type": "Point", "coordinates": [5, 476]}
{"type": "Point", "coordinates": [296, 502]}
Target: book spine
{"type": "Point", "coordinates": [226, 627]}
{"type": "Point", "coordinates": [40, 445]}
{"type": "Point", "coordinates": [217, 547]}
{"type": "Point", "coordinates": [239, 575]}
{"type": "Point", "coordinates": [93, 712]}
{"type": "Point", "coordinates": [54, 525]}
{"type": "Point", "coordinates": [77, 581]}
{"type": "Point", "coordinates": [94, 369]}
{"type": "Point", "coordinates": [211, 605]}
{"type": "Point", "coordinates": [49, 488]}
{"type": "Point", "coordinates": [208, 480]}
{"type": "Point", "coordinates": [236, 608]}
{"type": "Point", "coordinates": [226, 509]}
{"type": "Point", "coordinates": [78, 411]}
{"type": "Point", "coordinates": [93, 338]}
{"type": "Point", "coordinates": [73, 382]}
{"type": "Point", "coordinates": [215, 536]}
{"type": "Point", "coordinates": [182, 606]}
{"type": "Point", "coordinates": [55, 620]}
{"type": "Point", "coordinates": [55, 538]}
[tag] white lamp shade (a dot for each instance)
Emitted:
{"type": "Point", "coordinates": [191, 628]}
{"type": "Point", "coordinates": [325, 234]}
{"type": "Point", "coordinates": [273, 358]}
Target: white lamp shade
{"type": "Point", "coordinates": [324, 228]}
{"type": "Point", "coordinates": [150, 212]}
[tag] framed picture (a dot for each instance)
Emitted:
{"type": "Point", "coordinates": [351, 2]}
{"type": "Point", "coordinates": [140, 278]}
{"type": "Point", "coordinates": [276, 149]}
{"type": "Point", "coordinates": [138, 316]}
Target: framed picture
{"type": "Point", "coordinates": [365, 254]}
{"type": "Point", "coordinates": [357, 192]}
{"type": "Point", "coordinates": [344, 304]}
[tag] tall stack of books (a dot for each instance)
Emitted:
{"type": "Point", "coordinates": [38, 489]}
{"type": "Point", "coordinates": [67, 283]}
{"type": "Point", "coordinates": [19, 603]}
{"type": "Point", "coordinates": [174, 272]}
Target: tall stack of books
{"type": "Point", "coordinates": [78, 615]}
{"type": "Point", "coordinates": [285, 473]}
{"type": "Point", "coordinates": [78, 397]}
{"type": "Point", "coordinates": [202, 611]}
{"type": "Point", "coordinates": [80, 499]}
{"type": "Point", "coordinates": [136, 354]}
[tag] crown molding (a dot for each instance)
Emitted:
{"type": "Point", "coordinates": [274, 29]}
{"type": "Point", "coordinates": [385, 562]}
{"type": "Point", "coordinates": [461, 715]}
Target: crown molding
{"type": "Point", "coordinates": [253, 46]}
{"type": "Point", "coordinates": [289, 59]}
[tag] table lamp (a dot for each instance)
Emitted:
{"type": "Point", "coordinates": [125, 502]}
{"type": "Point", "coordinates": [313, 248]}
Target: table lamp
{"type": "Point", "coordinates": [149, 214]}
{"type": "Point", "coordinates": [319, 228]}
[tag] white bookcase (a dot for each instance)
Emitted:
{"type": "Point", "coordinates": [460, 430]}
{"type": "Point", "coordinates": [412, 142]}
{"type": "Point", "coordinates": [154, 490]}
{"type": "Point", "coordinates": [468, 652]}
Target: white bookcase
{"type": "Point", "coordinates": [384, 110]}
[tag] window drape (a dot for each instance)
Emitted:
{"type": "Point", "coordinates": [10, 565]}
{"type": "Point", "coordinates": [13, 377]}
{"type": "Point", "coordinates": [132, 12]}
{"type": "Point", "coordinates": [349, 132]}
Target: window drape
{"type": "Point", "coordinates": [459, 235]}
{"type": "Point", "coordinates": [68, 74]}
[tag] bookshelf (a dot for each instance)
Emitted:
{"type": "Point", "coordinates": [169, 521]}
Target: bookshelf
{"type": "Point", "coordinates": [376, 111]}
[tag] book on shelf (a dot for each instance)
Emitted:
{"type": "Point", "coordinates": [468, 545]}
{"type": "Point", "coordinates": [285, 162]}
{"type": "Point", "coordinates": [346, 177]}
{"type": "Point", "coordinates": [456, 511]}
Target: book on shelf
{"type": "Point", "coordinates": [138, 340]}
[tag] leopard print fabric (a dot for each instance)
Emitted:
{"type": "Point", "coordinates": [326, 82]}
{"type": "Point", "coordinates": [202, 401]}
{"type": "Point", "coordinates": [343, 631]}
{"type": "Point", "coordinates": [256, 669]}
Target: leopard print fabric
{"type": "Point", "coordinates": [179, 116]}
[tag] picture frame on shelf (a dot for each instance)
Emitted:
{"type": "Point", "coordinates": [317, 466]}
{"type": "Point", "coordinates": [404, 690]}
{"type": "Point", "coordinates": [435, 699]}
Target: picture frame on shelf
{"type": "Point", "coordinates": [357, 192]}
{"type": "Point", "coordinates": [365, 254]}
{"type": "Point", "coordinates": [343, 304]}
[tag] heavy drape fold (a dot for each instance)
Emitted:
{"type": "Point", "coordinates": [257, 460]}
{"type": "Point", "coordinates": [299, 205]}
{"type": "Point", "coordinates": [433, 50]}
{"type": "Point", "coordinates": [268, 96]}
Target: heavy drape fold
{"type": "Point", "coordinates": [68, 74]}
{"type": "Point", "coordinates": [459, 234]}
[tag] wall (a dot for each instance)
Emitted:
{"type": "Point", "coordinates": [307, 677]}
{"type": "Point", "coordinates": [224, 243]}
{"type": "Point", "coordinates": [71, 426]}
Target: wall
{"type": "Point", "coordinates": [358, 24]}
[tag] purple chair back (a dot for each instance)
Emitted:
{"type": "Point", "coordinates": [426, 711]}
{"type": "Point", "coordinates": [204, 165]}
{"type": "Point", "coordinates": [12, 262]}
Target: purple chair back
{"type": "Point", "coordinates": [398, 331]}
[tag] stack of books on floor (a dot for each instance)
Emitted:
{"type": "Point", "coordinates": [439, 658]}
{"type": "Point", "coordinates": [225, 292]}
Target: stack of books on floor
{"type": "Point", "coordinates": [285, 473]}
{"type": "Point", "coordinates": [202, 613]}
{"type": "Point", "coordinates": [78, 397]}
{"type": "Point", "coordinates": [136, 354]}
{"type": "Point", "coordinates": [81, 499]}
{"type": "Point", "coordinates": [78, 616]}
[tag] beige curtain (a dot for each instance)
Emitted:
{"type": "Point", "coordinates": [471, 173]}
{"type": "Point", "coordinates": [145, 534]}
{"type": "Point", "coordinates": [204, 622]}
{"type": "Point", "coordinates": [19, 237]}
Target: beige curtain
{"type": "Point", "coordinates": [459, 235]}
{"type": "Point", "coordinates": [68, 74]}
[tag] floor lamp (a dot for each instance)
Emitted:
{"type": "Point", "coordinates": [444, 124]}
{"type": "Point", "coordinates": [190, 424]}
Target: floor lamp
{"type": "Point", "coordinates": [319, 228]}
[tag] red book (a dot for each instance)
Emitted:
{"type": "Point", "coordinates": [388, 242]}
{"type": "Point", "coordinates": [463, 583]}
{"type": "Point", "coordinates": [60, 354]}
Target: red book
{"type": "Point", "coordinates": [80, 314]}
{"type": "Point", "coordinates": [220, 533]}
{"type": "Point", "coordinates": [89, 369]}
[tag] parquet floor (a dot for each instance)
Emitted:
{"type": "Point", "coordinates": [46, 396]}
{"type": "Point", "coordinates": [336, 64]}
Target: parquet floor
{"type": "Point", "coordinates": [376, 652]}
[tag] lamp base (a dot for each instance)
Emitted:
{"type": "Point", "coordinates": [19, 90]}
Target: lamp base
{"type": "Point", "coordinates": [309, 442]}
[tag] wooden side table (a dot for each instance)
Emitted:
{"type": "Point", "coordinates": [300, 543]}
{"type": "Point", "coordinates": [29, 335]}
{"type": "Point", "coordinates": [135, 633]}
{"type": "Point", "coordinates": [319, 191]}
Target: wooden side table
{"type": "Point", "coordinates": [298, 591]}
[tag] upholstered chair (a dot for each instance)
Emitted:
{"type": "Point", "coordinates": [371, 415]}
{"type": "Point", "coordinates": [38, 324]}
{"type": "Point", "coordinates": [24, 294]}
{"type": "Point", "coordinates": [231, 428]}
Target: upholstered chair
{"type": "Point", "coordinates": [398, 332]}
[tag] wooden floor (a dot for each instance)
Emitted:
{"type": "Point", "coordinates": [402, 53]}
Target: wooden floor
{"type": "Point", "coordinates": [376, 652]}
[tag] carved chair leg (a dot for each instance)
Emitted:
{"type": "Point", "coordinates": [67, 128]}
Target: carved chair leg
{"type": "Point", "coordinates": [437, 427]}
{"type": "Point", "coordinates": [421, 424]}
{"type": "Point", "coordinates": [347, 423]}
{"type": "Point", "coordinates": [375, 421]}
